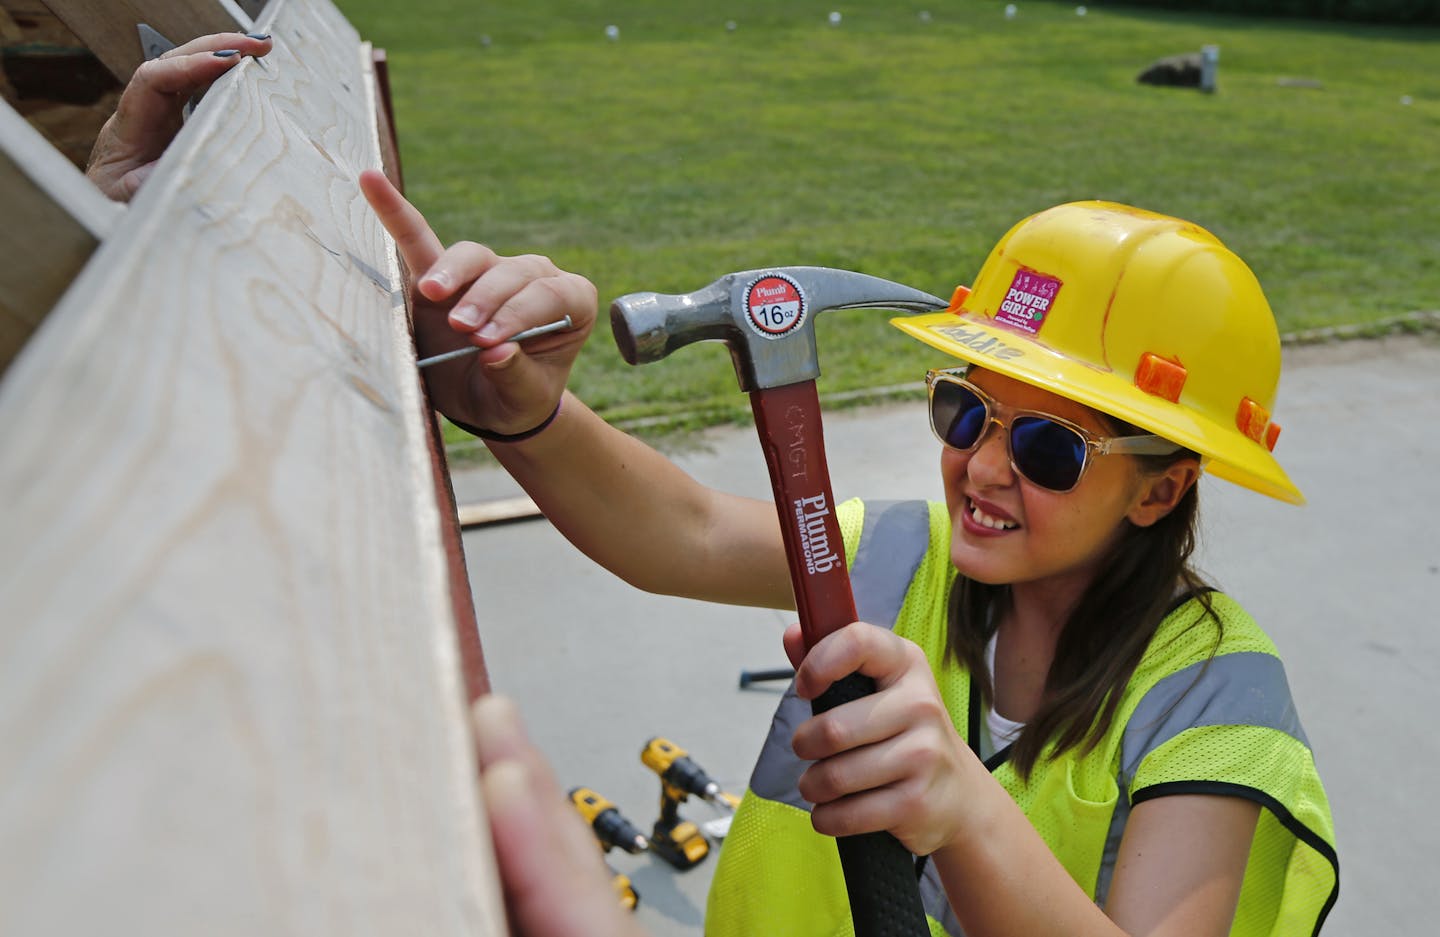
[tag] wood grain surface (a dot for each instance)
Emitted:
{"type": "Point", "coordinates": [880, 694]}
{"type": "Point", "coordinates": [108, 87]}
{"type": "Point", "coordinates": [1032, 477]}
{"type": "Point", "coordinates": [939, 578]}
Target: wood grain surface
{"type": "Point", "coordinates": [230, 699]}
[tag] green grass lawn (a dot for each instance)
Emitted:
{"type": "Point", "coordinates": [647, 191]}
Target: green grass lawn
{"type": "Point", "coordinates": [903, 148]}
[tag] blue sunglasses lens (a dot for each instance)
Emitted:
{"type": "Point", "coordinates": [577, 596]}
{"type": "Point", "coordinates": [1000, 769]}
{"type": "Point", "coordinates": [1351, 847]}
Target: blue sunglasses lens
{"type": "Point", "coordinates": [959, 416]}
{"type": "Point", "coordinates": [1047, 453]}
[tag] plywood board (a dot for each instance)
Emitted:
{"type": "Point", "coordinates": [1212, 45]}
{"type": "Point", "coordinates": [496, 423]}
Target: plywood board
{"type": "Point", "coordinates": [230, 694]}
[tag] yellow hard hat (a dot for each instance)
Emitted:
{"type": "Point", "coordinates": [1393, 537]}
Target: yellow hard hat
{"type": "Point", "coordinates": [1139, 315]}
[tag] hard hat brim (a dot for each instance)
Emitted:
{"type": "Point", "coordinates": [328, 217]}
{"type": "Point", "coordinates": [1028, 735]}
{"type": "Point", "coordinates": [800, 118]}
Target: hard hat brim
{"type": "Point", "coordinates": [1228, 453]}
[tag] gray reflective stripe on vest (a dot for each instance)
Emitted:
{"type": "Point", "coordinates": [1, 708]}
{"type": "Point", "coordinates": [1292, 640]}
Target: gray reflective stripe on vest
{"type": "Point", "coordinates": [1118, 819]}
{"type": "Point", "coordinates": [777, 771]}
{"type": "Point", "coordinates": [893, 540]}
{"type": "Point", "coordinates": [1247, 688]}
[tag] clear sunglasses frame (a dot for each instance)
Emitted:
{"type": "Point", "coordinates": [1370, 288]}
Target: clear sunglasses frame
{"type": "Point", "coordinates": [1095, 444]}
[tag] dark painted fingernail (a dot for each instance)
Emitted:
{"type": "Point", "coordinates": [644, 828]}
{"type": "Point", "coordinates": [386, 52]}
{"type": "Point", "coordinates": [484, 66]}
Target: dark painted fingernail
{"type": "Point", "coordinates": [259, 36]}
{"type": "Point", "coordinates": [226, 53]}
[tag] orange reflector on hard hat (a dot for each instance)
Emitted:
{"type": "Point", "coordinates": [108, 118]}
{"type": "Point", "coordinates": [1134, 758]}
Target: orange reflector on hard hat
{"type": "Point", "coordinates": [1160, 377]}
{"type": "Point", "coordinates": [957, 298]}
{"type": "Point", "coordinates": [1251, 419]}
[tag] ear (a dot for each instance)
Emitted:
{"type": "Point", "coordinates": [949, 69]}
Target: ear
{"type": "Point", "coordinates": [1159, 493]}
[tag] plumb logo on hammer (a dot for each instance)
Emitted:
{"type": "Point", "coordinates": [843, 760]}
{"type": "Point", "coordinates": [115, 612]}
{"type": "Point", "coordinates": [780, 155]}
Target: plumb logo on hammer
{"type": "Point", "coordinates": [766, 319]}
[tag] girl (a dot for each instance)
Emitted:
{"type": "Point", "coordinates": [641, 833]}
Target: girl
{"type": "Point", "coordinates": [1076, 733]}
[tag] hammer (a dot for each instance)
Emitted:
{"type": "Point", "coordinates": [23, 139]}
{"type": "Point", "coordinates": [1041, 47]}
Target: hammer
{"type": "Point", "coordinates": [766, 317]}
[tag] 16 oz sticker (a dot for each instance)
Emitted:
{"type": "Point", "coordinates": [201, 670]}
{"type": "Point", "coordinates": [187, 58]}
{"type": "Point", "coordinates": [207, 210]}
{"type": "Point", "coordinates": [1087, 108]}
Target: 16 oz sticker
{"type": "Point", "coordinates": [774, 305]}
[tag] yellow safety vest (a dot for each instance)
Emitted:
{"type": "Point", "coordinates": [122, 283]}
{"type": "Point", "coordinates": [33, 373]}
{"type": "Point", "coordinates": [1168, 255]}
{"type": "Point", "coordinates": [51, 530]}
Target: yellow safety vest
{"type": "Point", "coordinates": [1189, 722]}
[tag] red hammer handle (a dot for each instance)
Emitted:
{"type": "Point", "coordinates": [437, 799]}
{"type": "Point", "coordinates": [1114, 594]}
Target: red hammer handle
{"type": "Point", "coordinates": [879, 871]}
{"type": "Point", "coordinates": [788, 421]}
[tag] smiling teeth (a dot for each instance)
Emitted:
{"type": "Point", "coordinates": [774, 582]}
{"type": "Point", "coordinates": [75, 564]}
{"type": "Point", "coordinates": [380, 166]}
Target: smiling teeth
{"type": "Point", "coordinates": [985, 520]}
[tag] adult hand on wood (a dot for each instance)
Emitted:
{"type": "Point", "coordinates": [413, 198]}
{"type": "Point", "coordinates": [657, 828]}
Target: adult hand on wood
{"type": "Point", "coordinates": [469, 295]}
{"type": "Point", "coordinates": [151, 107]}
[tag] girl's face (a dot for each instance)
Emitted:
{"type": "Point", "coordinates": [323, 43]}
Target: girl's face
{"type": "Point", "coordinates": [1009, 530]}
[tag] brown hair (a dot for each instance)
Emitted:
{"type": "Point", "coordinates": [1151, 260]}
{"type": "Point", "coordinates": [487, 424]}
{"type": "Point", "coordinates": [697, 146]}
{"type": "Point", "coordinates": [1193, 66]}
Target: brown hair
{"type": "Point", "coordinates": [1106, 634]}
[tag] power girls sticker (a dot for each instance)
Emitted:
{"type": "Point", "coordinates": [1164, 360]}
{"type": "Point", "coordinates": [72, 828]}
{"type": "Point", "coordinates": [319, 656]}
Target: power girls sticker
{"type": "Point", "coordinates": [774, 305]}
{"type": "Point", "coordinates": [1028, 300]}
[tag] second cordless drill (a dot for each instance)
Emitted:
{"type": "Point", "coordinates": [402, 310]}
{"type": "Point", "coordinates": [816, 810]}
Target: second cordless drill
{"type": "Point", "coordinates": [679, 842]}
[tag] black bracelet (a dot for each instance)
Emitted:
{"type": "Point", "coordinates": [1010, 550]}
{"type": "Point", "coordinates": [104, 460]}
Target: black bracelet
{"type": "Point", "coordinates": [490, 436]}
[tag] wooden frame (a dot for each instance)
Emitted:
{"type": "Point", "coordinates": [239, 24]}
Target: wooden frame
{"type": "Point", "coordinates": [108, 28]}
{"type": "Point", "coordinates": [54, 220]}
{"type": "Point", "coordinates": [236, 629]}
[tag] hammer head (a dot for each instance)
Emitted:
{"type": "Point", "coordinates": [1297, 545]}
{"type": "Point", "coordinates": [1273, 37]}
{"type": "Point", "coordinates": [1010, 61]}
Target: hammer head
{"type": "Point", "coordinates": [766, 317]}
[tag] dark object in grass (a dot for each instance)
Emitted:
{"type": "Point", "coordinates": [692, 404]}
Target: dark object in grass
{"type": "Point", "coordinates": [1181, 71]}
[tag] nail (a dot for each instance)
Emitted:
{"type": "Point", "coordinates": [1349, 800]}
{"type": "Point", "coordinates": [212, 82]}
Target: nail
{"type": "Point", "coordinates": [490, 333]}
{"type": "Point", "coordinates": [260, 37]}
{"type": "Point", "coordinates": [558, 325]}
{"type": "Point", "coordinates": [468, 316]}
{"type": "Point", "coordinates": [226, 53]}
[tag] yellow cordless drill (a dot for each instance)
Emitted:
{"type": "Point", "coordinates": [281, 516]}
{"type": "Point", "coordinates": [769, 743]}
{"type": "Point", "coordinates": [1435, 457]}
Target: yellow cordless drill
{"type": "Point", "coordinates": [613, 831]}
{"type": "Point", "coordinates": [678, 841]}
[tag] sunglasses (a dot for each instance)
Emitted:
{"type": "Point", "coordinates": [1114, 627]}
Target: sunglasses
{"type": "Point", "coordinates": [1045, 450]}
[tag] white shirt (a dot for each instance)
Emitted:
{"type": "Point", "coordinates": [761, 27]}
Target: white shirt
{"type": "Point", "coordinates": [1000, 731]}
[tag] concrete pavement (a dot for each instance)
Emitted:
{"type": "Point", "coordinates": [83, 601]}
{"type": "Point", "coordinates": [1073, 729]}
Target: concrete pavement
{"type": "Point", "coordinates": [1347, 586]}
